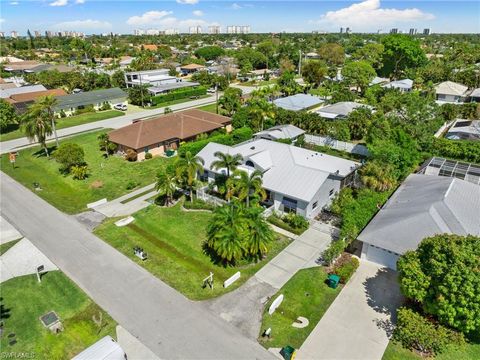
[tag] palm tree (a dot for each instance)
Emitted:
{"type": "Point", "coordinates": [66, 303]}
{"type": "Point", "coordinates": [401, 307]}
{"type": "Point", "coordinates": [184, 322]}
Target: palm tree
{"type": "Point", "coordinates": [166, 184]}
{"type": "Point", "coordinates": [47, 104]}
{"type": "Point", "coordinates": [247, 186]}
{"type": "Point", "coordinates": [378, 177]}
{"type": "Point", "coordinates": [187, 168]}
{"type": "Point", "coordinates": [226, 232]}
{"type": "Point", "coordinates": [226, 161]}
{"type": "Point", "coordinates": [37, 126]}
{"type": "Point", "coordinates": [260, 234]}
{"type": "Point", "coordinates": [105, 144]}
{"type": "Point", "coordinates": [261, 110]}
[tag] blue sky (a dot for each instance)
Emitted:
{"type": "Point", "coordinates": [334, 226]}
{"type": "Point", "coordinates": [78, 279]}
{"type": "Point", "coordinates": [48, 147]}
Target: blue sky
{"type": "Point", "coordinates": [94, 16]}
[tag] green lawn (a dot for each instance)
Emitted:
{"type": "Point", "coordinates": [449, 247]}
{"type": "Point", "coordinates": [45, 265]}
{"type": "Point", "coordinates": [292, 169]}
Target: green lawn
{"type": "Point", "coordinates": [395, 351]}
{"type": "Point", "coordinates": [24, 300]}
{"type": "Point", "coordinates": [210, 108]}
{"type": "Point", "coordinates": [15, 133]}
{"type": "Point", "coordinates": [108, 177]}
{"type": "Point", "coordinates": [175, 102]}
{"type": "Point", "coordinates": [305, 294]}
{"type": "Point", "coordinates": [5, 247]}
{"type": "Point", "coordinates": [173, 241]}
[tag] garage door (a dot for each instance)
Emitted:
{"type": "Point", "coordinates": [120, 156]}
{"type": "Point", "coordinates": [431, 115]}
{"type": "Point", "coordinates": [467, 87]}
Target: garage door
{"type": "Point", "coordinates": [379, 256]}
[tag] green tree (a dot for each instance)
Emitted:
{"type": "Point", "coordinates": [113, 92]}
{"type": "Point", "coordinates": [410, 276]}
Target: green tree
{"type": "Point", "coordinates": [46, 104]}
{"type": "Point", "coordinates": [69, 155]}
{"type": "Point", "coordinates": [231, 100]}
{"type": "Point", "coordinates": [359, 121]}
{"type": "Point", "coordinates": [187, 168]}
{"type": "Point", "coordinates": [378, 176]}
{"type": "Point", "coordinates": [167, 184]}
{"type": "Point", "coordinates": [118, 79]}
{"type": "Point", "coordinates": [226, 161]}
{"type": "Point", "coordinates": [401, 53]}
{"type": "Point", "coordinates": [332, 53]}
{"type": "Point", "coordinates": [37, 126]}
{"type": "Point", "coordinates": [260, 234]}
{"type": "Point", "coordinates": [8, 116]}
{"type": "Point", "coordinates": [443, 276]}
{"type": "Point", "coordinates": [358, 74]}
{"type": "Point", "coordinates": [287, 84]}
{"type": "Point", "coordinates": [210, 52]}
{"type": "Point", "coordinates": [139, 95]}
{"type": "Point", "coordinates": [106, 145]}
{"type": "Point", "coordinates": [246, 186]}
{"type": "Point", "coordinates": [314, 72]}
{"type": "Point", "coordinates": [371, 52]}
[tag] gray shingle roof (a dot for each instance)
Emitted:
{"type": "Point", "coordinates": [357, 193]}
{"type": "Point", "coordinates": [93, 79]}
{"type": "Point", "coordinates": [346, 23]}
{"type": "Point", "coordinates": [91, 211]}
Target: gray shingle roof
{"type": "Point", "coordinates": [298, 102]}
{"type": "Point", "coordinates": [91, 97]}
{"type": "Point", "coordinates": [340, 109]}
{"type": "Point", "coordinates": [424, 206]}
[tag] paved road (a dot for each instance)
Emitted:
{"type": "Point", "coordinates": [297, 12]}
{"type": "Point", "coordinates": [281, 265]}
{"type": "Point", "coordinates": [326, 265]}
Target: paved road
{"type": "Point", "coordinates": [358, 323]}
{"type": "Point", "coordinates": [113, 123]}
{"type": "Point", "coordinates": [169, 324]}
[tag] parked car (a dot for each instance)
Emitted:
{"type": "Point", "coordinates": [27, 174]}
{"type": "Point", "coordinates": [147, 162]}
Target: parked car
{"type": "Point", "coordinates": [211, 91]}
{"type": "Point", "coordinates": [121, 107]}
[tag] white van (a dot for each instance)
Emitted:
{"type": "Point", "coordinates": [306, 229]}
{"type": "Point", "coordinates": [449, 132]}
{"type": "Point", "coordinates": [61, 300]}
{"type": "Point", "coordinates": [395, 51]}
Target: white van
{"type": "Point", "coordinates": [104, 349]}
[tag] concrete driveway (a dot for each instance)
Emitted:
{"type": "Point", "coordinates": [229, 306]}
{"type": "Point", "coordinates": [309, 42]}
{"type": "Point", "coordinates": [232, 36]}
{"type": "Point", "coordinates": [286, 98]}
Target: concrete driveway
{"type": "Point", "coordinates": [359, 322]}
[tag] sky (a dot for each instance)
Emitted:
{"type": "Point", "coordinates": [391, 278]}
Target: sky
{"type": "Point", "coordinates": [95, 16]}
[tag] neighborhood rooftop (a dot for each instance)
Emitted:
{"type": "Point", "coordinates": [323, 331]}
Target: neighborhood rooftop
{"type": "Point", "coordinates": [424, 206]}
{"type": "Point", "coordinates": [278, 132]}
{"type": "Point", "coordinates": [340, 109]}
{"type": "Point", "coordinates": [298, 102]}
{"type": "Point", "coordinates": [452, 168]}
{"type": "Point", "coordinates": [90, 97]}
{"type": "Point", "coordinates": [451, 88]}
{"type": "Point", "coordinates": [21, 90]}
{"type": "Point", "coordinates": [172, 86]}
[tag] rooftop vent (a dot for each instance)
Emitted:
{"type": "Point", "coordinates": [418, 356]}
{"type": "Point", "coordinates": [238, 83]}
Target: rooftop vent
{"type": "Point", "coordinates": [252, 148]}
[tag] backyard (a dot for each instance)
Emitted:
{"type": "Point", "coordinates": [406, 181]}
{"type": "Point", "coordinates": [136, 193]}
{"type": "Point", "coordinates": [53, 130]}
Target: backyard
{"type": "Point", "coordinates": [173, 240]}
{"type": "Point", "coordinates": [108, 177]}
{"type": "Point", "coordinates": [24, 300]}
{"type": "Point", "coordinates": [305, 294]}
{"type": "Point", "coordinates": [14, 132]}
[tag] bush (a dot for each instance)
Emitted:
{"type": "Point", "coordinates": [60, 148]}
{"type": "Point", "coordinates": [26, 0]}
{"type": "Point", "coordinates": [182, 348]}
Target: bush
{"type": "Point", "coordinates": [415, 332]}
{"type": "Point", "coordinates": [296, 221]}
{"type": "Point", "coordinates": [330, 254]}
{"type": "Point", "coordinates": [345, 267]}
{"type": "Point", "coordinates": [281, 223]}
{"type": "Point", "coordinates": [79, 172]}
{"type": "Point", "coordinates": [131, 184]}
{"type": "Point", "coordinates": [198, 204]}
{"type": "Point", "coordinates": [131, 155]}
{"type": "Point", "coordinates": [69, 155]}
{"type": "Point", "coordinates": [62, 114]}
{"type": "Point", "coordinates": [105, 106]}
{"type": "Point", "coordinates": [457, 149]}
{"type": "Point", "coordinates": [85, 109]}
{"type": "Point", "coordinates": [179, 94]}
{"type": "Point", "coordinates": [148, 156]}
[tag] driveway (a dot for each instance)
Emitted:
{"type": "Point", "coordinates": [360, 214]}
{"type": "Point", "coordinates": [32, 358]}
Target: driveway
{"type": "Point", "coordinates": [170, 325]}
{"type": "Point", "coordinates": [359, 322]}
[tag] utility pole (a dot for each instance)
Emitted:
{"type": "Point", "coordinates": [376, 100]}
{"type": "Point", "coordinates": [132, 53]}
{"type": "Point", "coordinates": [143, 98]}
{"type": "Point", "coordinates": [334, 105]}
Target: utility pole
{"type": "Point", "coordinates": [300, 62]}
{"type": "Point", "coordinates": [216, 96]}
{"type": "Point", "coordinates": [141, 89]}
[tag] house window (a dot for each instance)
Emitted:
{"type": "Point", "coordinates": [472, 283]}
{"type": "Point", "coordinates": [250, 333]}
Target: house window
{"type": "Point", "coordinates": [331, 192]}
{"type": "Point", "coordinates": [250, 163]}
{"type": "Point", "coordinates": [145, 149]}
{"type": "Point", "coordinates": [315, 204]}
{"type": "Point", "coordinates": [289, 205]}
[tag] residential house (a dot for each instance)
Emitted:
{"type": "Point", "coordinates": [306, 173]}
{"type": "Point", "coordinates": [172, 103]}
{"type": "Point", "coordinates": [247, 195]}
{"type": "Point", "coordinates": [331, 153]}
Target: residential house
{"type": "Point", "coordinates": [163, 133]}
{"type": "Point", "coordinates": [451, 92]}
{"type": "Point", "coordinates": [21, 102]}
{"type": "Point", "coordinates": [150, 78]}
{"type": "Point", "coordinates": [165, 88]}
{"type": "Point", "coordinates": [6, 93]}
{"type": "Point", "coordinates": [463, 129]}
{"type": "Point", "coordinates": [125, 61]}
{"type": "Point", "coordinates": [191, 68]}
{"type": "Point", "coordinates": [475, 95]}
{"type": "Point", "coordinates": [422, 206]}
{"type": "Point", "coordinates": [452, 168]}
{"type": "Point", "coordinates": [340, 110]}
{"type": "Point", "coordinates": [96, 98]}
{"type": "Point", "coordinates": [296, 180]}
{"type": "Point", "coordinates": [280, 132]}
{"type": "Point", "coordinates": [298, 102]}
{"type": "Point", "coordinates": [404, 85]}
{"type": "Point", "coordinates": [379, 81]}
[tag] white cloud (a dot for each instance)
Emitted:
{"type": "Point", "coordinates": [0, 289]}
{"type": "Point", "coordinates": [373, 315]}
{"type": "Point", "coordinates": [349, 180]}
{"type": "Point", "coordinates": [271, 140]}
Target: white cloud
{"type": "Point", "coordinates": [361, 16]}
{"type": "Point", "coordinates": [2, 20]}
{"type": "Point", "coordinates": [14, 3]}
{"type": "Point", "coordinates": [235, 6]}
{"type": "Point", "coordinates": [59, 3]}
{"type": "Point", "coordinates": [79, 1]}
{"type": "Point", "coordinates": [150, 17]}
{"type": "Point", "coordinates": [197, 12]}
{"type": "Point", "coordinates": [88, 24]}
{"type": "Point", "coordinates": [187, 2]}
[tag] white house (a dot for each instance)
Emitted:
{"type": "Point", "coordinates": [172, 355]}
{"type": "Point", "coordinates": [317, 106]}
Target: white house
{"type": "Point", "coordinates": [298, 102]}
{"type": "Point", "coordinates": [297, 180]}
{"type": "Point", "coordinates": [280, 132]}
{"type": "Point", "coordinates": [150, 77]}
{"type": "Point", "coordinates": [451, 92]}
{"type": "Point", "coordinates": [340, 110]}
{"type": "Point", "coordinates": [404, 85]}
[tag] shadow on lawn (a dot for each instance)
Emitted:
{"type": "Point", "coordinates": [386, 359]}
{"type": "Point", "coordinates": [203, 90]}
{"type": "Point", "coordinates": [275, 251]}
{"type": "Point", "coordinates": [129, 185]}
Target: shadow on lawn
{"type": "Point", "coordinates": [41, 152]}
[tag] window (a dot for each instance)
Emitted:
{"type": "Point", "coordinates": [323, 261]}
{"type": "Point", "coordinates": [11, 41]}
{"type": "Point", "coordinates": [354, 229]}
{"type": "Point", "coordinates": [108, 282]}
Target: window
{"type": "Point", "coordinates": [250, 163]}
{"type": "Point", "coordinates": [289, 205]}
{"type": "Point", "coordinates": [331, 192]}
{"type": "Point", "coordinates": [315, 204]}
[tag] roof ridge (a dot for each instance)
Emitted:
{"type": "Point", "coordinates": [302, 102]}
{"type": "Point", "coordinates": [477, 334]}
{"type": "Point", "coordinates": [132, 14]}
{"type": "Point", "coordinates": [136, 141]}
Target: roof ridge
{"type": "Point", "coordinates": [139, 132]}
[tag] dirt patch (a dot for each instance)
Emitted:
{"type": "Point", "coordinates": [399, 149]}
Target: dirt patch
{"type": "Point", "coordinates": [97, 184]}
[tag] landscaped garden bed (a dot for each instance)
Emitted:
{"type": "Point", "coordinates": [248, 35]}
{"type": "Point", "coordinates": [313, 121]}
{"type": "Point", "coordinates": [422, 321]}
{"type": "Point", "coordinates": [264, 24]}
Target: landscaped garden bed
{"type": "Point", "coordinates": [107, 177]}
{"type": "Point", "coordinates": [24, 301]}
{"type": "Point", "coordinates": [174, 241]}
{"type": "Point", "coordinates": [293, 223]}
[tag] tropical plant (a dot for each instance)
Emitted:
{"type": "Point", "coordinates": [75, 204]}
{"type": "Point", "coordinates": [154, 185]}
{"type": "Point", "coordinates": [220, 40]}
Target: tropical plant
{"type": "Point", "coordinates": [79, 172]}
{"type": "Point", "coordinates": [106, 145]}
{"type": "Point", "coordinates": [187, 168]}
{"type": "Point", "coordinates": [226, 161]}
{"type": "Point", "coordinates": [260, 235]}
{"type": "Point", "coordinates": [69, 155]}
{"type": "Point", "coordinates": [36, 126]}
{"type": "Point", "coordinates": [230, 101]}
{"type": "Point", "coordinates": [378, 176]}
{"type": "Point", "coordinates": [247, 186]}
{"type": "Point", "coordinates": [8, 115]}
{"type": "Point", "coordinates": [47, 104]}
{"type": "Point", "coordinates": [167, 184]}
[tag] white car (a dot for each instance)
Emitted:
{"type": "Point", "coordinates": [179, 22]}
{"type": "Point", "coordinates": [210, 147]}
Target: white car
{"type": "Point", "coordinates": [121, 107]}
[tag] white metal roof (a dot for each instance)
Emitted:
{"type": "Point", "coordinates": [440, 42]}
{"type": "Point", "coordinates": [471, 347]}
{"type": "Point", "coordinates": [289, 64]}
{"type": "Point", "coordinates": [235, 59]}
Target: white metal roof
{"type": "Point", "coordinates": [104, 349]}
{"type": "Point", "coordinates": [451, 88]}
{"type": "Point", "coordinates": [281, 132]}
{"type": "Point", "coordinates": [424, 206]}
{"type": "Point", "coordinates": [340, 109]}
{"type": "Point", "coordinates": [298, 102]}
{"type": "Point", "coordinates": [292, 171]}
{"type": "Point", "coordinates": [400, 84]}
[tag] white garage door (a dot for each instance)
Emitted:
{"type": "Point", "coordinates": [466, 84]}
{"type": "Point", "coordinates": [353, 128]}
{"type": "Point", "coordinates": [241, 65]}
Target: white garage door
{"type": "Point", "coordinates": [379, 256]}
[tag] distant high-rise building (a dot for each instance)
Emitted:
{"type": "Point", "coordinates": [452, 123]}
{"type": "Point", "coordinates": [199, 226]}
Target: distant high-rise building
{"type": "Point", "coordinates": [138, 32]}
{"type": "Point", "coordinates": [214, 29]}
{"type": "Point", "coordinates": [37, 34]}
{"type": "Point", "coordinates": [394, 31]}
{"type": "Point", "coordinates": [426, 31]}
{"type": "Point", "coordinates": [235, 29]}
{"type": "Point", "coordinates": [412, 31]}
{"type": "Point", "coordinates": [195, 30]}
{"type": "Point", "coordinates": [153, 32]}
{"type": "Point", "coordinates": [2, 34]}
{"type": "Point", "coordinates": [347, 30]}
{"type": "Point", "coordinates": [13, 34]}
{"type": "Point", "coordinates": [341, 30]}
{"type": "Point", "coordinates": [171, 31]}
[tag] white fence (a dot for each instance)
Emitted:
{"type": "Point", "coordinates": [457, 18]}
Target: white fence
{"type": "Point", "coordinates": [337, 145]}
{"type": "Point", "coordinates": [202, 194]}
{"type": "Point", "coordinates": [268, 211]}
{"type": "Point", "coordinates": [444, 127]}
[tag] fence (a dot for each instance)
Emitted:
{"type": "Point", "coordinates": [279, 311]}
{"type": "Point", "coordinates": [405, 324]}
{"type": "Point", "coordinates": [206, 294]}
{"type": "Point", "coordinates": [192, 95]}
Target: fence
{"type": "Point", "coordinates": [203, 195]}
{"type": "Point", "coordinates": [444, 127]}
{"type": "Point", "coordinates": [268, 211]}
{"type": "Point", "coordinates": [337, 145]}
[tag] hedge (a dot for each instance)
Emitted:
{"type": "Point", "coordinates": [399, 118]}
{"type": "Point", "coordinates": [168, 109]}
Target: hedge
{"type": "Point", "coordinates": [277, 221]}
{"type": "Point", "coordinates": [179, 94]}
{"type": "Point", "coordinates": [235, 137]}
{"type": "Point", "coordinates": [198, 204]}
{"type": "Point", "coordinates": [346, 269]}
{"type": "Point", "coordinates": [464, 150]}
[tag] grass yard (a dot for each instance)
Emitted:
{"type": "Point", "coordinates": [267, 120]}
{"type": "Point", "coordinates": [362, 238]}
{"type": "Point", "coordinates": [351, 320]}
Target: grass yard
{"type": "Point", "coordinates": [173, 240]}
{"type": "Point", "coordinates": [175, 102]}
{"type": "Point", "coordinates": [24, 300]}
{"type": "Point", "coordinates": [211, 108]}
{"type": "Point", "coordinates": [14, 132]}
{"type": "Point", "coordinates": [305, 294]}
{"type": "Point", "coordinates": [108, 177]}
{"type": "Point", "coordinates": [395, 351]}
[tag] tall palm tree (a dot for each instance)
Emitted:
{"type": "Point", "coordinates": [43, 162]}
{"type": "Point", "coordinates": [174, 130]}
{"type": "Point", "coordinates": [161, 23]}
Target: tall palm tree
{"type": "Point", "coordinates": [247, 186]}
{"type": "Point", "coordinates": [37, 126]}
{"type": "Point", "coordinates": [226, 232]}
{"type": "Point", "coordinates": [261, 110]}
{"type": "Point", "coordinates": [260, 234]}
{"type": "Point", "coordinates": [187, 168]}
{"type": "Point", "coordinates": [166, 184]}
{"type": "Point", "coordinates": [47, 104]}
{"type": "Point", "coordinates": [226, 161]}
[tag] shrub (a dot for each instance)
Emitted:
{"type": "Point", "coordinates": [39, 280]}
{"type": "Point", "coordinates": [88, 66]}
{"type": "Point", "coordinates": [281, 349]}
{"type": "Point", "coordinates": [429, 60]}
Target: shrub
{"type": "Point", "coordinates": [198, 204]}
{"type": "Point", "coordinates": [131, 184]}
{"type": "Point", "coordinates": [345, 267]}
{"type": "Point", "coordinates": [179, 94]}
{"type": "Point", "coordinates": [62, 114]}
{"type": "Point", "coordinates": [296, 221]}
{"type": "Point", "coordinates": [106, 106]}
{"type": "Point", "coordinates": [281, 223]}
{"type": "Point", "coordinates": [79, 172]}
{"type": "Point", "coordinates": [415, 332]}
{"type": "Point", "coordinates": [131, 155]}
{"type": "Point", "coordinates": [148, 156]}
{"type": "Point", "coordinates": [330, 254]}
{"type": "Point", "coordinates": [85, 109]}
{"type": "Point", "coordinates": [69, 155]}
